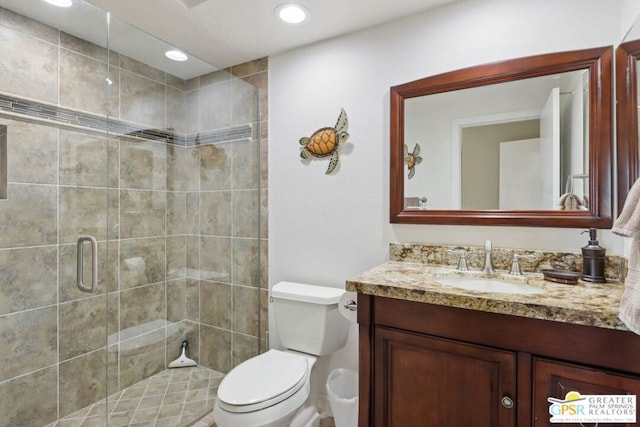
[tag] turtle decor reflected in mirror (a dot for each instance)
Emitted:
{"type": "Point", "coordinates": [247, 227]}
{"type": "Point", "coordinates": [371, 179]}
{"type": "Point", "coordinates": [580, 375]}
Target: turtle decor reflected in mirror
{"type": "Point", "coordinates": [326, 142]}
{"type": "Point", "coordinates": [412, 160]}
{"type": "Point", "coordinates": [506, 142]}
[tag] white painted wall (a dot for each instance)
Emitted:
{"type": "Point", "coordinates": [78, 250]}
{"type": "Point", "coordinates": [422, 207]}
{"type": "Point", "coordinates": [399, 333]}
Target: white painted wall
{"type": "Point", "coordinates": [324, 229]}
{"type": "Point", "coordinates": [629, 20]}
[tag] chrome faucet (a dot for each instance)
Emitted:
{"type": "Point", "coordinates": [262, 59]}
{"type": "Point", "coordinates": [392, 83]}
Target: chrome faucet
{"type": "Point", "coordinates": [515, 263]}
{"type": "Point", "coordinates": [462, 260]}
{"type": "Point", "coordinates": [488, 261]}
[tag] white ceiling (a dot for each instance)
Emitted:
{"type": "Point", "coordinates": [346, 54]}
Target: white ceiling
{"type": "Point", "coordinates": [220, 33]}
{"type": "Point", "coordinates": [230, 32]}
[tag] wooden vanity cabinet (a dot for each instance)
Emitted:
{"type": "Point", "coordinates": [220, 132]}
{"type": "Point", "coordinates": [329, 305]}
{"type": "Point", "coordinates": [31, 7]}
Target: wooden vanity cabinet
{"type": "Point", "coordinates": [430, 365]}
{"type": "Point", "coordinates": [555, 379]}
{"type": "Point", "coordinates": [429, 381]}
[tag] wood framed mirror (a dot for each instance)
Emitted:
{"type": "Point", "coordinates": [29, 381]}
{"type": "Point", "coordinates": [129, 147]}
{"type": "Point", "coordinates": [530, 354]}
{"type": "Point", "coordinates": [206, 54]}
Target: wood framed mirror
{"type": "Point", "coordinates": [627, 57]}
{"type": "Point", "coordinates": [444, 200]}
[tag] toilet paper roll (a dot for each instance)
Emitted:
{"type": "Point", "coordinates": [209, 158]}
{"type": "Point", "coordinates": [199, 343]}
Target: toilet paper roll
{"type": "Point", "coordinates": [348, 307]}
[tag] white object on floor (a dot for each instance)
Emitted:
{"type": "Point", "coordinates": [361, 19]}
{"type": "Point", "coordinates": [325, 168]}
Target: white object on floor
{"type": "Point", "coordinates": [183, 361]}
{"type": "Point", "coordinates": [342, 390]}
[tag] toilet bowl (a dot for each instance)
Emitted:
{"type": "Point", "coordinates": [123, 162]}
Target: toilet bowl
{"type": "Point", "coordinates": [266, 390]}
{"type": "Point", "coordinates": [269, 390]}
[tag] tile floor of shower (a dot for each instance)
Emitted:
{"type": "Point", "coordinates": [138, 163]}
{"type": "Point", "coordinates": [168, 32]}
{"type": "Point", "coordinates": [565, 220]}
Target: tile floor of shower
{"type": "Point", "coordinates": [171, 398]}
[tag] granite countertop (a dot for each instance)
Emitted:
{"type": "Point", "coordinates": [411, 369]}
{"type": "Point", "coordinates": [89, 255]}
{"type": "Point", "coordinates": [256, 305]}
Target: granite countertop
{"type": "Point", "coordinates": [593, 304]}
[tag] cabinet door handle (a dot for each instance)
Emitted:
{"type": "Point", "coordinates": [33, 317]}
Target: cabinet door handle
{"type": "Point", "coordinates": [507, 402]}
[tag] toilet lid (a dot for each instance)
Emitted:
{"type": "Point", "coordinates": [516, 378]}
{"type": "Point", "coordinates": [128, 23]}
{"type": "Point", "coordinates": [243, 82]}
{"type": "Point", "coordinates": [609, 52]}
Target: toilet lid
{"type": "Point", "coordinates": [262, 381]}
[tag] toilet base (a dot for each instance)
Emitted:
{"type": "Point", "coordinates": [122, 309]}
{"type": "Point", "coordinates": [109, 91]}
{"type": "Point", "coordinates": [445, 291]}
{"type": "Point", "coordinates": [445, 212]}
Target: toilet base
{"type": "Point", "coordinates": [306, 417]}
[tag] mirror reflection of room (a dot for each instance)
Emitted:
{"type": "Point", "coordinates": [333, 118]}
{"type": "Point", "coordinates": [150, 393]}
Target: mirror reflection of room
{"type": "Point", "coordinates": [520, 145]}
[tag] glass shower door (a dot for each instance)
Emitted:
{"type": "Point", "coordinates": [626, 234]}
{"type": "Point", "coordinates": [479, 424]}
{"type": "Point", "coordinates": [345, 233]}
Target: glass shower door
{"type": "Point", "coordinates": [131, 222]}
{"type": "Point", "coordinates": [53, 97]}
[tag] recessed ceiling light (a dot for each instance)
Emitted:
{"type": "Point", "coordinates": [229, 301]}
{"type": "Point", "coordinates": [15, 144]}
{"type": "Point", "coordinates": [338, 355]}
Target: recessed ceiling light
{"type": "Point", "coordinates": [292, 13]}
{"type": "Point", "coordinates": [176, 55]}
{"type": "Point", "coordinates": [59, 3]}
{"type": "Point", "coordinates": [190, 4]}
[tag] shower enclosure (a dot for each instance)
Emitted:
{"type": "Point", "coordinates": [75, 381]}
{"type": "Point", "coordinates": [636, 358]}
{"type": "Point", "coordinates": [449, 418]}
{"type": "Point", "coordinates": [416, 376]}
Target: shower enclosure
{"type": "Point", "coordinates": [130, 221]}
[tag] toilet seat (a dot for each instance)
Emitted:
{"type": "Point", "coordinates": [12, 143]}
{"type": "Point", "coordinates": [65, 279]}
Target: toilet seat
{"type": "Point", "coordinates": [262, 381]}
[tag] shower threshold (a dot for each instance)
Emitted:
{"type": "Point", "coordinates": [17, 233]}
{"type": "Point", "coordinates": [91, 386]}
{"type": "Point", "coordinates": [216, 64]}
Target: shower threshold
{"type": "Point", "coordinates": [171, 398]}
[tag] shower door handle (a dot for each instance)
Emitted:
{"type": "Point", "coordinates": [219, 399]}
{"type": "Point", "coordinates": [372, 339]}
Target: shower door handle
{"type": "Point", "coordinates": [94, 263]}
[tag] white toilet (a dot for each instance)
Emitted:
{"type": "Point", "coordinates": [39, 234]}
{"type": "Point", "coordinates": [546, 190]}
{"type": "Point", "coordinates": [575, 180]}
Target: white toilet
{"type": "Point", "coordinates": [270, 389]}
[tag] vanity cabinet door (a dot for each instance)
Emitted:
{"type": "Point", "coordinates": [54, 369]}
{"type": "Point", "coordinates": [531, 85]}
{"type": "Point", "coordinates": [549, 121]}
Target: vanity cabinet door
{"type": "Point", "coordinates": [555, 379]}
{"type": "Point", "coordinates": [421, 380]}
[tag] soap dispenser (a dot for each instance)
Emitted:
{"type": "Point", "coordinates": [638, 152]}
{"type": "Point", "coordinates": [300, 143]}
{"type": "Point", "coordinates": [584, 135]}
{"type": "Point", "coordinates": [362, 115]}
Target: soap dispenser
{"type": "Point", "coordinates": [593, 259]}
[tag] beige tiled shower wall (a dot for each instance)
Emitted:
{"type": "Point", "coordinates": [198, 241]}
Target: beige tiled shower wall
{"type": "Point", "coordinates": [181, 229]}
{"type": "Point", "coordinates": [256, 73]}
{"type": "Point", "coordinates": [226, 267]}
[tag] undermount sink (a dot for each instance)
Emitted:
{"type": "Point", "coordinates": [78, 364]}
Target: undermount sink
{"type": "Point", "coordinates": [489, 285]}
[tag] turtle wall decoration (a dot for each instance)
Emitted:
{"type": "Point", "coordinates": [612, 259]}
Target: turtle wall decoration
{"type": "Point", "coordinates": [412, 159]}
{"type": "Point", "coordinates": [326, 141]}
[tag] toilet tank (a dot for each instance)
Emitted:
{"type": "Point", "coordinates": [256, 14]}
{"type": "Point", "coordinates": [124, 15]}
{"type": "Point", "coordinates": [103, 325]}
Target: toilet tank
{"type": "Point", "coordinates": [308, 319]}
